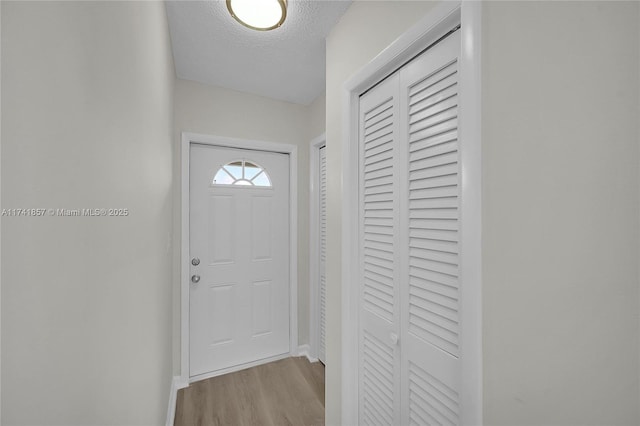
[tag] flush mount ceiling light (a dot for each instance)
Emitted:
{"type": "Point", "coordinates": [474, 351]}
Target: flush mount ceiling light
{"type": "Point", "coordinates": [261, 15]}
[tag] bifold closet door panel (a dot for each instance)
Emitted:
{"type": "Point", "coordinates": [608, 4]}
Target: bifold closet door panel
{"type": "Point", "coordinates": [429, 229]}
{"type": "Point", "coordinates": [323, 254]}
{"type": "Point", "coordinates": [409, 317]}
{"type": "Point", "coordinates": [379, 322]}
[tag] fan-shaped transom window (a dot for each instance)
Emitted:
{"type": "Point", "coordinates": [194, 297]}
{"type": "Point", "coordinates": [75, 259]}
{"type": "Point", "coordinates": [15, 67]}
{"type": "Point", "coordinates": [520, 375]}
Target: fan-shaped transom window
{"type": "Point", "coordinates": [242, 172]}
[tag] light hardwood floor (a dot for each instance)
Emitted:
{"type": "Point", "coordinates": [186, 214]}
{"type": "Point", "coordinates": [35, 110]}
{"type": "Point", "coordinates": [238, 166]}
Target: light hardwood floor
{"type": "Point", "coordinates": [285, 392]}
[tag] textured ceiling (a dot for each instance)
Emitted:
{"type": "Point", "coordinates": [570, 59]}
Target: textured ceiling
{"type": "Point", "coordinates": [287, 63]}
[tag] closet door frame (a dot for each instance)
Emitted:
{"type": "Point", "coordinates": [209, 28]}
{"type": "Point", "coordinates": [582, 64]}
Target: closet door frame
{"type": "Point", "coordinates": [314, 245]}
{"type": "Point", "coordinates": [443, 18]}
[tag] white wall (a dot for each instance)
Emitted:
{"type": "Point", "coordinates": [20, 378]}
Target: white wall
{"type": "Point", "coordinates": [217, 111]}
{"type": "Point", "coordinates": [560, 204]}
{"type": "Point", "coordinates": [362, 33]}
{"type": "Point", "coordinates": [560, 170]}
{"type": "Point", "coordinates": [86, 123]}
{"type": "Point", "coordinates": [317, 116]}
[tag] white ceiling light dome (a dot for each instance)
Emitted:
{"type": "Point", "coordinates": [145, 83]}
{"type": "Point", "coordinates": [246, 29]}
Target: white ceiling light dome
{"type": "Point", "coordinates": [261, 15]}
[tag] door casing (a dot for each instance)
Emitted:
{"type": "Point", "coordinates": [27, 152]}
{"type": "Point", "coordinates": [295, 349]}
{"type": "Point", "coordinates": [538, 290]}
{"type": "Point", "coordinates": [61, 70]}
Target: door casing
{"type": "Point", "coordinates": [314, 245]}
{"type": "Point", "coordinates": [439, 21]}
{"type": "Point", "coordinates": [292, 151]}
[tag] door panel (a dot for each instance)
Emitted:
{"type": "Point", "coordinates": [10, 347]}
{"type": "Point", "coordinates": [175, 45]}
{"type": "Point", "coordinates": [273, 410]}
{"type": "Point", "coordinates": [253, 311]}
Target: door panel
{"type": "Point", "coordinates": [221, 241]}
{"type": "Point", "coordinates": [430, 221]}
{"type": "Point", "coordinates": [409, 316]}
{"type": "Point", "coordinates": [261, 314]}
{"type": "Point", "coordinates": [221, 300]}
{"type": "Point", "coordinates": [261, 227]}
{"type": "Point", "coordinates": [379, 384]}
{"type": "Point", "coordinates": [239, 310]}
{"type": "Point", "coordinates": [323, 254]}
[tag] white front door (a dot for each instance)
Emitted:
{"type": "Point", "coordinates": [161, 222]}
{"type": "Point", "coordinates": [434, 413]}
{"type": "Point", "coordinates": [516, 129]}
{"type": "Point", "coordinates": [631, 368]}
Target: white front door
{"type": "Point", "coordinates": [239, 254]}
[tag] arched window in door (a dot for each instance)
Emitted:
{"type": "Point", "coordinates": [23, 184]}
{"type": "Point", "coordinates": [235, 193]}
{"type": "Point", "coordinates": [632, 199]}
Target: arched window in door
{"type": "Point", "coordinates": [242, 172]}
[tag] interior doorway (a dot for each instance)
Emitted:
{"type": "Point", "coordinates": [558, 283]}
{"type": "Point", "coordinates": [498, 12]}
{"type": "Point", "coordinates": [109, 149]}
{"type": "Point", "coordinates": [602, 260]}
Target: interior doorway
{"type": "Point", "coordinates": [239, 249]}
{"type": "Point", "coordinates": [245, 220]}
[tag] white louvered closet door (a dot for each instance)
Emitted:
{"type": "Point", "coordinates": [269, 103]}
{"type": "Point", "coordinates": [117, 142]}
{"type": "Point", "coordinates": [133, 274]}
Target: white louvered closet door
{"type": "Point", "coordinates": [323, 254]}
{"type": "Point", "coordinates": [430, 336]}
{"type": "Point", "coordinates": [409, 324]}
{"type": "Point", "coordinates": [379, 366]}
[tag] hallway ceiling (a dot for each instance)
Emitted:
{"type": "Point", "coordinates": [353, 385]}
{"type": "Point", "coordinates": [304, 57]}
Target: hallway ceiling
{"type": "Point", "coordinates": [288, 63]}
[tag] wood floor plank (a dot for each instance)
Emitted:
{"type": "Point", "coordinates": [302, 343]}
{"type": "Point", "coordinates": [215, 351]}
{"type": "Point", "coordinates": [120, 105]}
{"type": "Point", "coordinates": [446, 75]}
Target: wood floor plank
{"type": "Point", "coordinates": [227, 411]}
{"type": "Point", "coordinates": [298, 403]}
{"type": "Point", "coordinates": [250, 398]}
{"type": "Point", "coordinates": [278, 395]}
{"type": "Point", "coordinates": [314, 375]}
{"type": "Point", "coordinates": [180, 405]}
{"type": "Point", "coordinates": [285, 392]}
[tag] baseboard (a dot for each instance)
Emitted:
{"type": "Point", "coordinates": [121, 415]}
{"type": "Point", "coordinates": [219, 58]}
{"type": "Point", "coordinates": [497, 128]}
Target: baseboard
{"type": "Point", "coordinates": [176, 384]}
{"type": "Point", "coordinates": [305, 350]}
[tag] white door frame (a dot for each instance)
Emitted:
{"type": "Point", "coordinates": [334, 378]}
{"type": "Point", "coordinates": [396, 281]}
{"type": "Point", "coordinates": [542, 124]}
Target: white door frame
{"type": "Point", "coordinates": [438, 22]}
{"type": "Point", "coordinates": [314, 244]}
{"type": "Point", "coordinates": [292, 151]}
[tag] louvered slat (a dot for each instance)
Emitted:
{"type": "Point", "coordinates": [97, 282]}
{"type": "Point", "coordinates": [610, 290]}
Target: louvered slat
{"type": "Point", "coordinates": [433, 129]}
{"type": "Point", "coordinates": [430, 400]}
{"type": "Point", "coordinates": [378, 175]}
{"type": "Point", "coordinates": [379, 363]}
{"type": "Point", "coordinates": [435, 82]}
{"type": "Point", "coordinates": [433, 201]}
{"type": "Point", "coordinates": [323, 204]}
{"type": "Point", "coordinates": [409, 283]}
{"type": "Point", "coordinates": [323, 253]}
{"type": "Point", "coordinates": [378, 379]}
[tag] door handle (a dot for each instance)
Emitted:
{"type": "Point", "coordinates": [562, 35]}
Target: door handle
{"type": "Point", "coordinates": [394, 338]}
{"type": "Point", "coordinates": [195, 279]}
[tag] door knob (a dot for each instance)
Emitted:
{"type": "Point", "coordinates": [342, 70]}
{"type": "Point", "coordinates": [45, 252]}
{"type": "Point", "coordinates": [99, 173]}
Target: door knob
{"type": "Point", "coordinates": [195, 278]}
{"type": "Point", "coordinates": [195, 261]}
{"type": "Point", "coordinates": [394, 338]}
